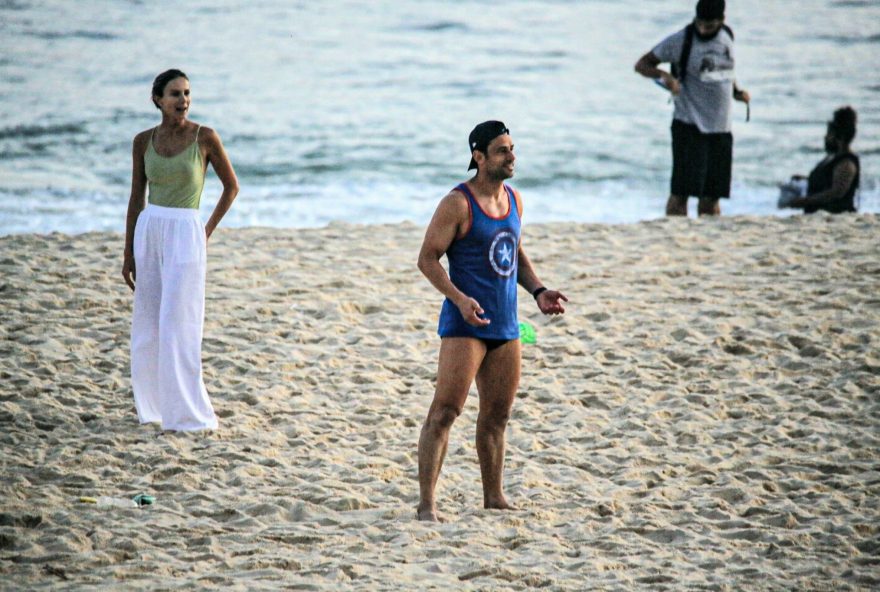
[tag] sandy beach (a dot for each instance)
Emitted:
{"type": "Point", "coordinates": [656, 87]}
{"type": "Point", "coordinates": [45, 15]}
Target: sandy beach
{"type": "Point", "coordinates": [704, 417]}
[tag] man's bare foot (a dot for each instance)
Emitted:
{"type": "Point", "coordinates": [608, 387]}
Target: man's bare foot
{"type": "Point", "coordinates": [497, 503]}
{"type": "Point", "coordinates": [427, 513]}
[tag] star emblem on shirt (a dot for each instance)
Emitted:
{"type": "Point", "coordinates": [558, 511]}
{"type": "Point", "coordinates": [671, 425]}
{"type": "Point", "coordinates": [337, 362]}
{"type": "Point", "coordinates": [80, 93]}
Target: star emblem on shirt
{"type": "Point", "coordinates": [506, 252]}
{"type": "Point", "coordinates": [502, 253]}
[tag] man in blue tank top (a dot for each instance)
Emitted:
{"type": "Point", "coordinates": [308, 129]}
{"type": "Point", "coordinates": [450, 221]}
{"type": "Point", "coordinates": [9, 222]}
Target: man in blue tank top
{"type": "Point", "coordinates": [477, 227]}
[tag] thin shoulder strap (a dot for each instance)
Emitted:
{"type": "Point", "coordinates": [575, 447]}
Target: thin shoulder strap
{"type": "Point", "coordinates": [469, 197]}
{"type": "Point", "coordinates": [462, 187]}
{"type": "Point", "coordinates": [198, 129]}
{"type": "Point", "coordinates": [853, 157]}
{"type": "Point", "coordinates": [514, 200]}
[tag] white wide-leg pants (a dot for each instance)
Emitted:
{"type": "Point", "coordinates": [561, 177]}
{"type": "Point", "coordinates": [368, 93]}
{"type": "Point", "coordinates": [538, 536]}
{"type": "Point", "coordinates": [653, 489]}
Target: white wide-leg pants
{"type": "Point", "coordinates": [169, 313]}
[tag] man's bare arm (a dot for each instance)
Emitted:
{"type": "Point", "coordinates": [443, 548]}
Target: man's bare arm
{"type": "Point", "coordinates": [450, 219]}
{"type": "Point", "coordinates": [841, 180]}
{"type": "Point", "coordinates": [647, 67]}
{"type": "Point", "coordinates": [549, 301]}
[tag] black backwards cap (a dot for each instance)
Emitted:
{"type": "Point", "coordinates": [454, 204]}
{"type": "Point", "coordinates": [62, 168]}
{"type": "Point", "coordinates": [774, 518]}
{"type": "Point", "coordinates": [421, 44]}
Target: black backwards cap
{"type": "Point", "coordinates": [710, 10]}
{"type": "Point", "coordinates": [482, 136]}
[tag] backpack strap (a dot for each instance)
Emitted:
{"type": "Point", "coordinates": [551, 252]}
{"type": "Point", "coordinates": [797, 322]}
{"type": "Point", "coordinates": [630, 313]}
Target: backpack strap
{"type": "Point", "coordinates": [679, 69]}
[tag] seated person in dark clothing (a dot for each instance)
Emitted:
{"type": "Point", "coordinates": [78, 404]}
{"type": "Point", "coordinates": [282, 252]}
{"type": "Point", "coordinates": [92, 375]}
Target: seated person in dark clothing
{"type": "Point", "coordinates": [832, 185]}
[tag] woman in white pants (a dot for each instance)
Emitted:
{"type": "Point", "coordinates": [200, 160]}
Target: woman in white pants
{"type": "Point", "coordinates": [165, 255]}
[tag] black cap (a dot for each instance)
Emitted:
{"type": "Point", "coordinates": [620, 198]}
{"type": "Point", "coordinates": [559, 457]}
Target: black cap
{"type": "Point", "coordinates": [710, 10]}
{"type": "Point", "coordinates": [482, 136]}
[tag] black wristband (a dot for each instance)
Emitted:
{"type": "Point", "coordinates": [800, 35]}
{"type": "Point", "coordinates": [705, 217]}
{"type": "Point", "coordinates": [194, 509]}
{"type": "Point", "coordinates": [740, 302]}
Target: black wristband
{"type": "Point", "coordinates": [538, 292]}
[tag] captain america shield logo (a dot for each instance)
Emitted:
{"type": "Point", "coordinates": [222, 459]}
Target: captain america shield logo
{"type": "Point", "coordinates": [502, 253]}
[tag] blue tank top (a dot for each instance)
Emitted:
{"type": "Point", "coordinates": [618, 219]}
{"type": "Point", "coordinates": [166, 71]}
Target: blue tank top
{"type": "Point", "coordinates": [483, 264]}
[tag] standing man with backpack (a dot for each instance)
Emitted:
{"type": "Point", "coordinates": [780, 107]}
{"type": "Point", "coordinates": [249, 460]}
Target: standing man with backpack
{"type": "Point", "coordinates": [703, 83]}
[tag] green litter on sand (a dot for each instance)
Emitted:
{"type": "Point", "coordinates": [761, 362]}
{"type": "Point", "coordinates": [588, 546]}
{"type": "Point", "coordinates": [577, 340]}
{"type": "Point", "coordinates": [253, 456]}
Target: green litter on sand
{"type": "Point", "coordinates": [142, 499]}
{"type": "Point", "coordinates": [527, 333]}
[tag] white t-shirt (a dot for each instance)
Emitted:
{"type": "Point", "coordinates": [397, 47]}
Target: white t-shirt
{"type": "Point", "coordinates": [707, 92]}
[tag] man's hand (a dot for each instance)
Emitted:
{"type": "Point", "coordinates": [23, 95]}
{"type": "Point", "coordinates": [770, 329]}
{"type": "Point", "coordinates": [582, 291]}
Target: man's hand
{"type": "Point", "coordinates": [742, 95]}
{"type": "Point", "coordinates": [128, 272]}
{"type": "Point", "coordinates": [469, 309]}
{"type": "Point", "coordinates": [672, 83]}
{"type": "Point", "coordinates": [550, 302]}
{"type": "Point", "coordinates": [647, 67]}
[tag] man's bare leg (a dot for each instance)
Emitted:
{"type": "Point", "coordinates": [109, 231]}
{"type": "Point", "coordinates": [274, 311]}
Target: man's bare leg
{"type": "Point", "coordinates": [677, 206]}
{"type": "Point", "coordinates": [497, 382]}
{"type": "Point", "coordinates": [460, 358]}
{"type": "Point", "coordinates": [709, 206]}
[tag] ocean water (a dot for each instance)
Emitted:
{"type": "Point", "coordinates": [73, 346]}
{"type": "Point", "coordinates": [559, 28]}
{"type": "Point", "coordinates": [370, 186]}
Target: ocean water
{"type": "Point", "coordinates": [360, 111]}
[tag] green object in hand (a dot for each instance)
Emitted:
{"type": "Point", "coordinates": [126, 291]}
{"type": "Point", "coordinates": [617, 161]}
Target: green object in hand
{"type": "Point", "coordinates": [527, 333]}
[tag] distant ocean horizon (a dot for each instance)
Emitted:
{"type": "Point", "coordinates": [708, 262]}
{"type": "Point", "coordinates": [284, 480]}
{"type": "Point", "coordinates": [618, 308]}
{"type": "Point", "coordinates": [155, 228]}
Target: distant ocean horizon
{"type": "Point", "coordinates": [359, 112]}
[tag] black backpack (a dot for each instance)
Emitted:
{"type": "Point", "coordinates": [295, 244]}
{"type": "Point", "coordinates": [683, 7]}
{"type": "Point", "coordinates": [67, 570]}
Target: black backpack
{"type": "Point", "coordinates": [679, 69]}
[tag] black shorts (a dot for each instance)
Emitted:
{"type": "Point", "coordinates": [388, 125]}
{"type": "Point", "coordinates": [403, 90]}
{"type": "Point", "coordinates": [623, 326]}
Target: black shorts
{"type": "Point", "coordinates": [700, 162]}
{"type": "Point", "coordinates": [491, 344]}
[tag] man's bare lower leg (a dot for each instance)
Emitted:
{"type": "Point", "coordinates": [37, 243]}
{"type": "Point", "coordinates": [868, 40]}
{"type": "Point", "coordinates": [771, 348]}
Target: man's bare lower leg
{"type": "Point", "coordinates": [433, 442]}
{"type": "Point", "coordinates": [490, 450]}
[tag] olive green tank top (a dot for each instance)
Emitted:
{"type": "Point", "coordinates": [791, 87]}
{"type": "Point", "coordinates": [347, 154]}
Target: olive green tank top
{"type": "Point", "coordinates": [175, 181]}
